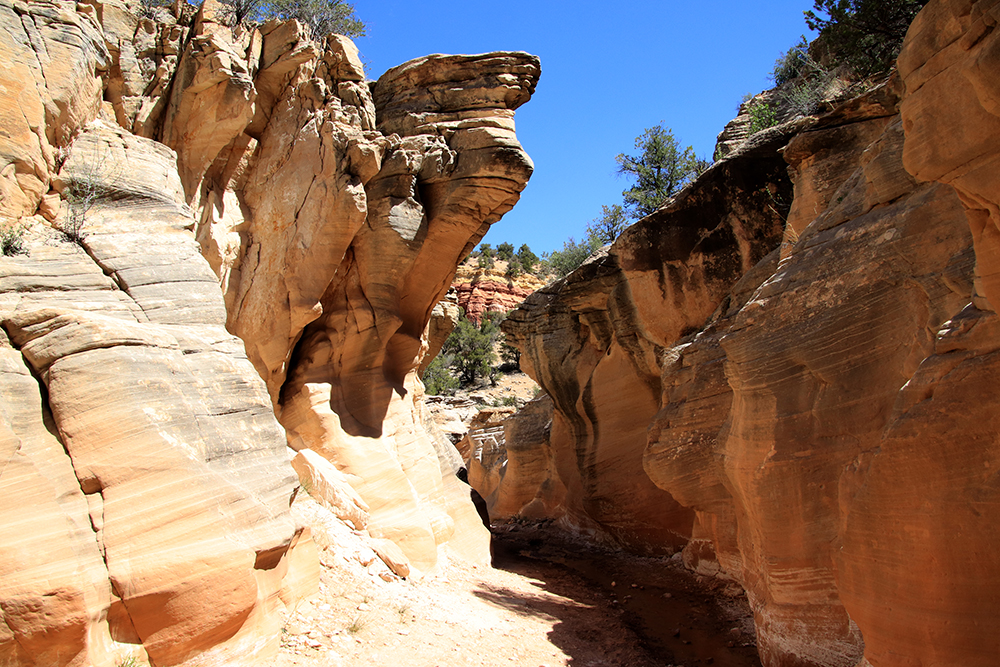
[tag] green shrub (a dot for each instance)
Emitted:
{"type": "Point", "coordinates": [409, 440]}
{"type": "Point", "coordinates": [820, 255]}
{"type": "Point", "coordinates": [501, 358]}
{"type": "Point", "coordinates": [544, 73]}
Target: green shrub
{"type": "Point", "coordinates": [791, 63]}
{"type": "Point", "coordinates": [438, 379]}
{"type": "Point", "coordinates": [527, 258]}
{"type": "Point", "coordinates": [573, 254]}
{"type": "Point", "coordinates": [505, 251]}
{"type": "Point", "coordinates": [12, 240]}
{"type": "Point", "coordinates": [321, 17]}
{"type": "Point", "coordinates": [863, 35]}
{"type": "Point", "coordinates": [762, 116]}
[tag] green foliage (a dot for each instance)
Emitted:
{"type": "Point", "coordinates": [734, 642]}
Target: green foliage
{"type": "Point", "coordinates": [762, 116]}
{"type": "Point", "coordinates": [509, 355]}
{"type": "Point", "coordinates": [611, 223]}
{"type": "Point", "coordinates": [661, 168]}
{"type": "Point", "coordinates": [792, 63]}
{"type": "Point", "coordinates": [527, 258]}
{"type": "Point", "coordinates": [573, 254]}
{"type": "Point", "coordinates": [438, 380]}
{"type": "Point", "coordinates": [468, 352]}
{"type": "Point", "coordinates": [485, 256]}
{"type": "Point", "coordinates": [864, 35]}
{"type": "Point", "coordinates": [505, 251]}
{"type": "Point", "coordinates": [12, 240]}
{"type": "Point", "coordinates": [321, 17]}
{"type": "Point", "coordinates": [514, 268]}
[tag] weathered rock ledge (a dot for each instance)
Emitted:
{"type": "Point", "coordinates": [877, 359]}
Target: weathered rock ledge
{"type": "Point", "coordinates": [264, 237]}
{"type": "Point", "coordinates": [791, 376]}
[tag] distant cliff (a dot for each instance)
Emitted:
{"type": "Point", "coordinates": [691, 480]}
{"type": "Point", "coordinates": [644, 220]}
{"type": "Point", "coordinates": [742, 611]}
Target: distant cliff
{"type": "Point", "coordinates": [479, 291]}
{"type": "Point", "coordinates": [236, 243]}
{"type": "Point", "coordinates": [791, 370]}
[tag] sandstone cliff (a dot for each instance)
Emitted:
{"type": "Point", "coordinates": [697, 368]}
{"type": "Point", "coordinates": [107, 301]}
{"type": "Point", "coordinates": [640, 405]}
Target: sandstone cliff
{"type": "Point", "coordinates": [830, 426]}
{"type": "Point", "coordinates": [595, 339]}
{"type": "Point", "coordinates": [479, 291]}
{"type": "Point", "coordinates": [181, 182]}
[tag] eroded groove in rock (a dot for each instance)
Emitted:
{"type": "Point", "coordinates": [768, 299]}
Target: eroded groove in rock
{"type": "Point", "coordinates": [595, 341]}
{"type": "Point", "coordinates": [353, 394]}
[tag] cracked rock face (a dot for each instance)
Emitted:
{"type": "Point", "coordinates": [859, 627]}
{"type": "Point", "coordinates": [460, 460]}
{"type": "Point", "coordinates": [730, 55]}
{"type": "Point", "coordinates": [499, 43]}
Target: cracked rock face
{"type": "Point", "coordinates": [262, 248]}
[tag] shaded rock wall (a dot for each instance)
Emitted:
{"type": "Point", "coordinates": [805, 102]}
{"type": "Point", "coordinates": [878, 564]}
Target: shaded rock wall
{"type": "Point", "coordinates": [594, 341]}
{"type": "Point", "coordinates": [831, 425]}
{"type": "Point", "coordinates": [246, 182]}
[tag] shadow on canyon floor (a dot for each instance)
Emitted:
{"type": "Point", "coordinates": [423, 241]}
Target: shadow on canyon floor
{"type": "Point", "coordinates": [671, 616]}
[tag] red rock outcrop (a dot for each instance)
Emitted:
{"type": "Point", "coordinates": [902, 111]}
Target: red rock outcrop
{"type": "Point", "coordinates": [479, 291]}
{"type": "Point", "coordinates": [918, 565]}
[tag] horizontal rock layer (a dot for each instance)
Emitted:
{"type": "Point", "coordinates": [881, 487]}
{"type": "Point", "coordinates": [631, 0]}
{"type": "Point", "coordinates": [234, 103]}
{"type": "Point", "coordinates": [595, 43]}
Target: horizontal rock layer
{"type": "Point", "coordinates": [183, 156]}
{"type": "Point", "coordinates": [830, 425]}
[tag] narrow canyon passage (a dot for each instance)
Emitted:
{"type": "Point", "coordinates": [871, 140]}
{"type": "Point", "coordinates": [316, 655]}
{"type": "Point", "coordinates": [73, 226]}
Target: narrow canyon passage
{"type": "Point", "coordinates": [548, 601]}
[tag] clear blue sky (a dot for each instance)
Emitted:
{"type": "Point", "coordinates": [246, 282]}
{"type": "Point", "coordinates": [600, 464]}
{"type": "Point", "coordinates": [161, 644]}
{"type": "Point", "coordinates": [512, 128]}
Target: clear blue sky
{"type": "Point", "coordinates": [609, 70]}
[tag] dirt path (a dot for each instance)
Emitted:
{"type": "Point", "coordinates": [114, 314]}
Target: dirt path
{"type": "Point", "coordinates": [547, 603]}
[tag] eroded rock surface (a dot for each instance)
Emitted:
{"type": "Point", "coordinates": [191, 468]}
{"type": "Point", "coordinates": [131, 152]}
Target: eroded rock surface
{"type": "Point", "coordinates": [155, 438]}
{"type": "Point", "coordinates": [218, 181]}
{"type": "Point", "coordinates": [830, 424]}
{"type": "Point", "coordinates": [594, 342]}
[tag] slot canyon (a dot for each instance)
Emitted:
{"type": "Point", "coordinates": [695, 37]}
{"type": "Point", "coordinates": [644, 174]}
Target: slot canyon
{"type": "Point", "coordinates": [759, 428]}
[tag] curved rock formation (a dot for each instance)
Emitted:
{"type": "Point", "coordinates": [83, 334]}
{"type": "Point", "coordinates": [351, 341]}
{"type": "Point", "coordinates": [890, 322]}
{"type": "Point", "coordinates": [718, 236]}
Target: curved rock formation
{"type": "Point", "coordinates": [155, 453]}
{"type": "Point", "coordinates": [333, 224]}
{"type": "Point", "coordinates": [595, 339]}
{"type": "Point", "coordinates": [831, 424]}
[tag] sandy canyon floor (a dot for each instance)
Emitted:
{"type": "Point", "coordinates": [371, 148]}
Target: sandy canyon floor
{"type": "Point", "coordinates": [547, 602]}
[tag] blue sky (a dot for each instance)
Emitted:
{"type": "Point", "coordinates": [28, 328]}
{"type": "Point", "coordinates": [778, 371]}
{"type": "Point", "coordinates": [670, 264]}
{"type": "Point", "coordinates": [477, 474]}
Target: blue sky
{"type": "Point", "coordinates": [609, 70]}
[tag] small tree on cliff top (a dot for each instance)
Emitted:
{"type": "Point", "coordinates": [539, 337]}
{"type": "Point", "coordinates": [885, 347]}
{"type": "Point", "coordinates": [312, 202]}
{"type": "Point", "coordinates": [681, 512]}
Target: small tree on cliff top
{"type": "Point", "coordinates": [865, 35]}
{"type": "Point", "coordinates": [322, 17]}
{"type": "Point", "coordinates": [609, 225]}
{"type": "Point", "coordinates": [660, 169]}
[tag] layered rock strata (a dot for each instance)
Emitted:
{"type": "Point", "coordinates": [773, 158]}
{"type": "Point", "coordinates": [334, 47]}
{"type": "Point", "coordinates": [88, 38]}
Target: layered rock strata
{"type": "Point", "coordinates": [480, 291]}
{"type": "Point", "coordinates": [144, 436]}
{"type": "Point", "coordinates": [594, 342]}
{"type": "Point", "coordinates": [818, 423]}
{"type": "Point", "coordinates": [332, 213]}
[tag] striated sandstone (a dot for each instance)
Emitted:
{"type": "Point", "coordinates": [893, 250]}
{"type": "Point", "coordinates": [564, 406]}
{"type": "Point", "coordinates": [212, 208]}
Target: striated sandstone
{"type": "Point", "coordinates": [353, 394]}
{"type": "Point", "coordinates": [162, 422]}
{"type": "Point", "coordinates": [918, 568]}
{"type": "Point", "coordinates": [186, 550]}
{"type": "Point", "coordinates": [53, 59]}
{"type": "Point", "coordinates": [594, 342]}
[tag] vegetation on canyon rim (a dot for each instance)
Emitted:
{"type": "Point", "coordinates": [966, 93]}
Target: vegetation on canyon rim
{"type": "Point", "coordinates": [858, 40]}
{"type": "Point", "coordinates": [322, 17]}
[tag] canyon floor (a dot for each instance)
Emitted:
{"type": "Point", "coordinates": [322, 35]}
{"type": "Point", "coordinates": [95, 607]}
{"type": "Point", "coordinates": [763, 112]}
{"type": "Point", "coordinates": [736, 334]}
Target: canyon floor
{"type": "Point", "coordinates": [549, 601]}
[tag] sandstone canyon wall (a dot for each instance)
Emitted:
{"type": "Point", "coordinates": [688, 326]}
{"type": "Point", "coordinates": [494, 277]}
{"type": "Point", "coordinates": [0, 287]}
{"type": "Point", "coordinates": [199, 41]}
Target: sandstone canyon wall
{"type": "Point", "coordinates": [261, 236]}
{"type": "Point", "coordinates": [824, 407]}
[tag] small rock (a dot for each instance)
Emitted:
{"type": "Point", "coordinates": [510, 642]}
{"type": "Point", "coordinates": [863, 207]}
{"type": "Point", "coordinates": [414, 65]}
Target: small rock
{"type": "Point", "coordinates": [635, 585]}
{"type": "Point", "coordinates": [363, 607]}
{"type": "Point", "coordinates": [404, 631]}
{"type": "Point", "coordinates": [667, 595]}
{"type": "Point", "coordinates": [613, 584]}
